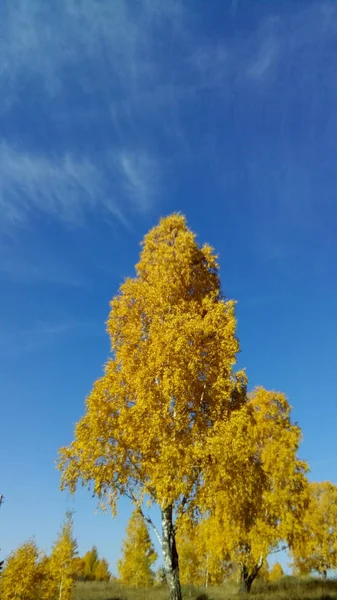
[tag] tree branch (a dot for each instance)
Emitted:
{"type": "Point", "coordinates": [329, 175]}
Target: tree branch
{"type": "Point", "coordinates": [146, 518]}
{"type": "Point", "coordinates": [150, 522]}
{"type": "Point", "coordinates": [285, 547]}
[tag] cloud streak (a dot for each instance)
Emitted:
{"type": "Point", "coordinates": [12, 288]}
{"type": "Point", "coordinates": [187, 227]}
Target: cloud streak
{"type": "Point", "coordinates": [63, 188]}
{"type": "Point", "coordinates": [41, 43]}
{"type": "Point", "coordinates": [137, 87]}
{"type": "Point", "coordinates": [69, 189]}
{"type": "Point", "coordinates": [140, 177]}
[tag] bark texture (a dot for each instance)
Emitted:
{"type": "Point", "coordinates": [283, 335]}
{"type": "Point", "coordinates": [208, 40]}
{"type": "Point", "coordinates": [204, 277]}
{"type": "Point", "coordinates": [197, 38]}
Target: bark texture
{"type": "Point", "coordinates": [247, 577]}
{"type": "Point", "coordinates": [170, 554]}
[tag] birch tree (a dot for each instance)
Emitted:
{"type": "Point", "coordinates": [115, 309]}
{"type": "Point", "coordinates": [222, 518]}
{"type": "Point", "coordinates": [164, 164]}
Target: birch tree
{"type": "Point", "coordinates": [61, 561]}
{"type": "Point", "coordinates": [102, 570]}
{"type": "Point", "coordinates": [200, 562]}
{"type": "Point", "coordinates": [276, 572]}
{"type": "Point", "coordinates": [316, 548]}
{"type": "Point", "coordinates": [256, 492]}
{"type": "Point", "coordinates": [138, 554]}
{"type": "Point", "coordinates": [21, 577]}
{"type": "Point", "coordinates": [90, 564]}
{"type": "Point", "coordinates": [169, 380]}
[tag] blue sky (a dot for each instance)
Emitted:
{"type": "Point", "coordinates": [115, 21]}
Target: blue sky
{"type": "Point", "coordinates": [113, 114]}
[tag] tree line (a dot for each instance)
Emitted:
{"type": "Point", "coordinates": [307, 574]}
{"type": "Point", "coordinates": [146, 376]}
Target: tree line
{"type": "Point", "coordinates": [29, 574]}
{"type": "Point", "coordinates": [201, 563]}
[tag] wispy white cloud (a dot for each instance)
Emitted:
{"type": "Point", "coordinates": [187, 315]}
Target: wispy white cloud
{"type": "Point", "coordinates": [69, 189]}
{"type": "Point", "coordinates": [140, 177]}
{"type": "Point", "coordinates": [120, 42]}
{"type": "Point", "coordinates": [41, 42]}
{"type": "Point", "coordinates": [115, 53]}
{"type": "Point", "coordinates": [101, 47]}
{"type": "Point", "coordinates": [265, 59]}
{"type": "Point", "coordinates": [63, 188]}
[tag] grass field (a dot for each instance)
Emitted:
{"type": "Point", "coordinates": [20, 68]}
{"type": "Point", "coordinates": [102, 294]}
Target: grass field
{"type": "Point", "coordinates": [288, 588]}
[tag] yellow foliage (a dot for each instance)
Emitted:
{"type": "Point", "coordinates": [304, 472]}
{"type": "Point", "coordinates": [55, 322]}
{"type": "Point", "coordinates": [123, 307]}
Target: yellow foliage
{"type": "Point", "coordinates": [61, 562]}
{"type": "Point", "coordinates": [191, 556]}
{"type": "Point", "coordinates": [171, 423]}
{"type": "Point", "coordinates": [276, 572]}
{"type": "Point", "coordinates": [199, 562]}
{"type": "Point", "coordinates": [138, 554]}
{"type": "Point", "coordinates": [257, 491]}
{"type": "Point", "coordinates": [90, 562]}
{"type": "Point", "coordinates": [169, 379]}
{"type": "Point", "coordinates": [78, 568]}
{"type": "Point", "coordinates": [21, 577]}
{"type": "Point", "coordinates": [102, 572]}
{"type": "Point", "coordinates": [316, 548]}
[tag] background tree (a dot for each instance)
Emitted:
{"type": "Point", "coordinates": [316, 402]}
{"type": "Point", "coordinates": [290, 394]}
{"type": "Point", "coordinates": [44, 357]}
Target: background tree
{"type": "Point", "coordinates": [160, 576]}
{"type": "Point", "coordinates": [91, 562]}
{"type": "Point", "coordinates": [78, 568]}
{"type": "Point", "coordinates": [199, 561]}
{"type": "Point", "coordinates": [276, 572]}
{"type": "Point", "coordinates": [264, 573]}
{"type": "Point", "coordinates": [21, 576]}
{"type": "Point", "coordinates": [191, 557]}
{"type": "Point", "coordinates": [257, 492]}
{"type": "Point", "coordinates": [168, 383]}
{"type": "Point", "coordinates": [102, 572]}
{"type": "Point", "coordinates": [45, 579]}
{"type": "Point", "coordinates": [138, 554]}
{"type": "Point", "coordinates": [61, 561]}
{"type": "Point", "coordinates": [316, 548]}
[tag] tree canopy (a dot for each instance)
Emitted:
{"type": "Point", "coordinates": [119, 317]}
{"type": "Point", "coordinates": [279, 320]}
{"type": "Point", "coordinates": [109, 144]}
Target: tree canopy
{"type": "Point", "coordinates": [90, 564]}
{"type": "Point", "coordinates": [168, 382]}
{"type": "Point", "coordinates": [316, 548]}
{"type": "Point", "coordinates": [256, 492]}
{"type": "Point", "coordinates": [61, 561]}
{"type": "Point", "coordinates": [21, 577]}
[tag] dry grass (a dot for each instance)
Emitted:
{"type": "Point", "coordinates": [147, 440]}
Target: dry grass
{"type": "Point", "coordinates": [288, 588]}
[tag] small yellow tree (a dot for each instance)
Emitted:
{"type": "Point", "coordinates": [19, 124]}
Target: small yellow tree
{"type": "Point", "coordinates": [102, 572]}
{"type": "Point", "coordinates": [276, 572]}
{"type": "Point", "coordinates": [21, 577]}
{"type": "Point", "coordinates": [316, 548]}
{"type": "Point", "coordinates": [138, 554]}
{"type": "Point", "coordinates": [78, 568]}
{"type": "Point", "coordinates": [90, 562]}
{"type": "Point", "coordinates": [199, 561]}
{"type": "Point", "coordinates": [168, 383]}
{"type": "Point", "coordinates": [61, 561]}
{"type": "Point", "coordinates": [257, 492]}
{"type": "Point", "coordinates": [46, 582]}
{"type": "Point", "coordinates": [191, 556]}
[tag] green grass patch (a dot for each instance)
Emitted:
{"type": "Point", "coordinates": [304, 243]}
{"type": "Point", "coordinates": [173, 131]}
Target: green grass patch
{"type": "Point", "coordinates": [288, 588]}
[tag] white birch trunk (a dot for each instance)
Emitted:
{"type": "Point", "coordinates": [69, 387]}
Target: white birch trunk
{"type": "Point", "coordinates": [61, 586]}
{"type": "Point", "coordinates": [170, 554]}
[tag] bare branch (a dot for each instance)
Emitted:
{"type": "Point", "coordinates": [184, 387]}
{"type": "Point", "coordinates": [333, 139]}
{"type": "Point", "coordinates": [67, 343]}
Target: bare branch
{"type": "Point", "coordinates": [285, 547]}
{"type": "Point", "coordinates": [150, 522]}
